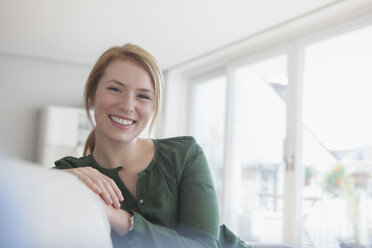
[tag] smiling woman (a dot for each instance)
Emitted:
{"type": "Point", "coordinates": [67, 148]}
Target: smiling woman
{"type": "Point", "coordinates": [157, 192]}
{"type": "Point", "coordinates": [123, 99]}
{"type": "Point", "coordinates": [112, 66]}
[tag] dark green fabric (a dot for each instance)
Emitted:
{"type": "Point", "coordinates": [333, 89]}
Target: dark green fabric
{"type": "Point", "coordinates": [176, 203]}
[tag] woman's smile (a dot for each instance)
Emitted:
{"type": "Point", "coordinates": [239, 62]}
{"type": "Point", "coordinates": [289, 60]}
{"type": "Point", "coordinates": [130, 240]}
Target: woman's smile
{"type": "Point", "coordinates": [121, 122]}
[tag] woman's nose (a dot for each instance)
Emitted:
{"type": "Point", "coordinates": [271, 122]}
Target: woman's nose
{"type": "Point", "coordinates": [127, 104]}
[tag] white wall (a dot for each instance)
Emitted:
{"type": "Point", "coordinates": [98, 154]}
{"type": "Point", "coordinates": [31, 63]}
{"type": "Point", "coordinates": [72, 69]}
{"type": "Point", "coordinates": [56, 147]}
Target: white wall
{"type": "Point", "coordinates": [174, 117]}
{"type": "Point", "coordinates": [27, 85]}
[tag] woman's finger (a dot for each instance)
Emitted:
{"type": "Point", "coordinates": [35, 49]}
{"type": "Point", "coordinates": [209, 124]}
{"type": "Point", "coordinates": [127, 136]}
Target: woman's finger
{"type": "Point", "coordinates": [94, 178]}
{"type": "Point", "coordinates": [100, 184]}
{"type": "Point", "coordinates": [108, 183]}
{"type": "Point", "coordinates": [115, 188]}
{"type": "Point", "coordinates": [90, 184]}
{"type": "Point", "coordinates": [99, 180]}
{"type": "Point", "coordinates": [104, 194]}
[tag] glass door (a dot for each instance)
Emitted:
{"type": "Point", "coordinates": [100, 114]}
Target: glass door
{"type": "Point", "coordinates": [208, 125]}
{"type": "Point", "coordinates": [257, 137]}
{"type": "Point", "coordinates": [337, 141]}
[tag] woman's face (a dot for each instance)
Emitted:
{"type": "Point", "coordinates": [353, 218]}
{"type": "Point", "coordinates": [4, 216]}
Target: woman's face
{"type": "Point", "coordinates": [123, 102]}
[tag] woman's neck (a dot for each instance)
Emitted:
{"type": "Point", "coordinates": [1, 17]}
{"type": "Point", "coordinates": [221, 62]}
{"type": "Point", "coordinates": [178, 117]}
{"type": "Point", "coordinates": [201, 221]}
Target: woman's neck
{"type": "Point", "coordinates": [114, 154]}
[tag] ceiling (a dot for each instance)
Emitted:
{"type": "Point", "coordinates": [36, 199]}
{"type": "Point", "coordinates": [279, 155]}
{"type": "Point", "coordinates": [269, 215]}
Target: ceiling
{"type": "Point", "coordinates": [174, 31]}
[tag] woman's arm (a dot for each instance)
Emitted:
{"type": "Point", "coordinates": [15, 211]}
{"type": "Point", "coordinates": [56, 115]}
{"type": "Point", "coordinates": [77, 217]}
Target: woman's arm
{"type": "Point", "coordinates": [119, 219]}
{"type": "Point", "coordinates": [197, 223]}
{"type": "Point", "coordinates": [100, 184]}
{"type": "Point", "coordinates": [198, 215]}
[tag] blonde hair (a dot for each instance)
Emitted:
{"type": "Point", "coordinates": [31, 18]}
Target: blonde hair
{"type": "Point", "coordinates": [128, 51]}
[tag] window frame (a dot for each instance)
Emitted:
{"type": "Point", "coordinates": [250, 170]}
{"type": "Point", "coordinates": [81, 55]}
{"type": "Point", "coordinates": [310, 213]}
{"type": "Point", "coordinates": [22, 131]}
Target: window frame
{"type": "Point", "coordinates": [294, 48]}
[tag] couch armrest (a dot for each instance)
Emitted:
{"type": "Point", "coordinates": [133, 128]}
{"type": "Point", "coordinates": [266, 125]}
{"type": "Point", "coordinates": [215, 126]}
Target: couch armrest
{"type": "Point", "coordinates": [48, 208]}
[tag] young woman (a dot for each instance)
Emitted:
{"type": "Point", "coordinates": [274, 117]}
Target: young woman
{"type": "Point", "coordinates": [157, 192]}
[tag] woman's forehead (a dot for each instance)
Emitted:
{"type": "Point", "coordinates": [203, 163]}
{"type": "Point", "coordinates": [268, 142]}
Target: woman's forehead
{"type": "Point", "coordinates": [128, 72]}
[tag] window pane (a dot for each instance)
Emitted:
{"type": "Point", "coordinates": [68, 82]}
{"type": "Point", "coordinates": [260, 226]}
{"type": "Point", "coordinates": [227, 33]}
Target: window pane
{"type": "Point", "coordinates": [208, 125]}
{"type": "Point", "coordinates": [259, 129]}
{"type": "Point", "coordinates": [337, 140]}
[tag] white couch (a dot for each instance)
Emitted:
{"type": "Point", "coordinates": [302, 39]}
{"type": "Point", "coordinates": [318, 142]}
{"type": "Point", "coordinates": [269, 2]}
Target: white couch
{"type": "Point", "coordinates": [46, 208]}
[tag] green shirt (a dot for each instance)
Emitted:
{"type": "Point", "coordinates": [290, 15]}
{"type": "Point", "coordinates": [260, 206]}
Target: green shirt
{"type": "Point", "coordinates": [176, 204]}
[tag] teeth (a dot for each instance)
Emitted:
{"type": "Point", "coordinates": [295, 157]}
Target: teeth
{"type": "Point", "coordinates": [121, 121]}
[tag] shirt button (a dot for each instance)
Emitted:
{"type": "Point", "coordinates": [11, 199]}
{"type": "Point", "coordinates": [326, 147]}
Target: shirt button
{"type": "Point", "coordinates": [141, 201]}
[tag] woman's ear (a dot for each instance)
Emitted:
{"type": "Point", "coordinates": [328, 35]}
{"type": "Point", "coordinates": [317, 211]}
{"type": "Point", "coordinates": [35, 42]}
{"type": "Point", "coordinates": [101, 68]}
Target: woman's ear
{"type": "Point", "coordinates": [91, 101]}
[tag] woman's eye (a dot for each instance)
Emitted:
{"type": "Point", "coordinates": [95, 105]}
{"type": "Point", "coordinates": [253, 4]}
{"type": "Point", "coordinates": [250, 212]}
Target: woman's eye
{"type": "Point", "coordinates": [143, 96]}
{"type": "Point", "coordinates": [114, 89]}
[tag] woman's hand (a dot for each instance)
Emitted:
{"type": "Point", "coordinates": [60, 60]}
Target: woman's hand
{"type": "Point", "coordinates": [118, 219]}
{"type": "Point", "coordinates": [100, 184]}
